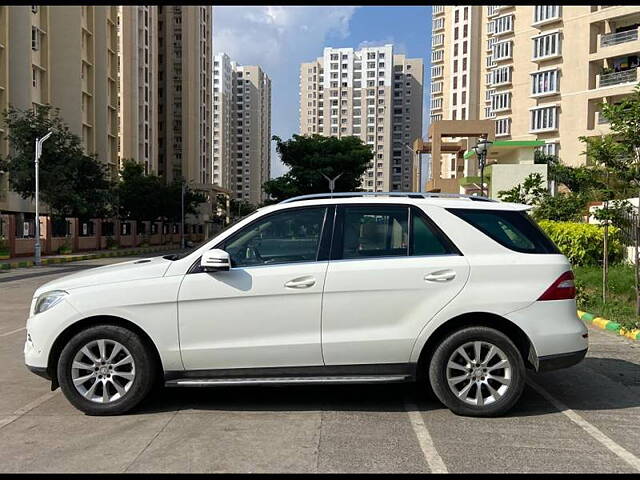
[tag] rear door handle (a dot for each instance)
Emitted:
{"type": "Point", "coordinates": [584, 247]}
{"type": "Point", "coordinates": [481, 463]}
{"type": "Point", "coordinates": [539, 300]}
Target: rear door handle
{"type": "Point", "coordinates": [301, 282]}
{"type": "Point", "coordinates": [440, 276]}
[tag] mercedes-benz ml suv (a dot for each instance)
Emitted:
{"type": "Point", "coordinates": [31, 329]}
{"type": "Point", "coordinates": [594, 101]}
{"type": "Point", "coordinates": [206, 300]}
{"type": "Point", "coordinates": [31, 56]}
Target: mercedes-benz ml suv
{"type": "Point", "coordinates": [459, 293]}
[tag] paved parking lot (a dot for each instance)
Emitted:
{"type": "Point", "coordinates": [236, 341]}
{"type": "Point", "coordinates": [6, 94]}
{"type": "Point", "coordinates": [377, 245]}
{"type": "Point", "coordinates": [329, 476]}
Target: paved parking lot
{"type": "Point", "coordinates": [583, 419]}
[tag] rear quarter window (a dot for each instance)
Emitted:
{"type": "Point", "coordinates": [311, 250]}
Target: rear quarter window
{"type": "Point", "coordinates": [511, 229]}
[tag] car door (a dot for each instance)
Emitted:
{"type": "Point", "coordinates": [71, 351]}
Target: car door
{"type": "Point", "coordinates": [391, 270]}
{"type": "Point", "coordinates": [265, 311]}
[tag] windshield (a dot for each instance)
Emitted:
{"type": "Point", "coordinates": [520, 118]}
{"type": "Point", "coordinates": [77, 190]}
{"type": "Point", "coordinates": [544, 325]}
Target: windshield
{"type": "Point", "coordinates": [178, 256]}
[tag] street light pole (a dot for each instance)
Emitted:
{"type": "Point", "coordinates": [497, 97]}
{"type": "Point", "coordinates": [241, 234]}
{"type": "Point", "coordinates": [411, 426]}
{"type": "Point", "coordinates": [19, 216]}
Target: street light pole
{"type": "Point", "coordinates": [481, 149]}
{"type": "Point", "coordinates": [332, 182]}
{"type": "Point", "coordinates": [417, 171]}
{"type": "Point", "coordinates": [182, 216]}
{"type": "Point", "coordinates": [39, 142]}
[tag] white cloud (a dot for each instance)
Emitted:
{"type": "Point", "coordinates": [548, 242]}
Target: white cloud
{"type": "Point", "coordinates": [398, 47]}
{"type": "Point", "coordinates": [279, 39]}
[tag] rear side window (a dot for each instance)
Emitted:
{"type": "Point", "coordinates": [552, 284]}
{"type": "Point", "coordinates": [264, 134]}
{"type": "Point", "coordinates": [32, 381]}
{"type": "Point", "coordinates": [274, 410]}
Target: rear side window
{"type": "Point", "coordinates": [511, 229]}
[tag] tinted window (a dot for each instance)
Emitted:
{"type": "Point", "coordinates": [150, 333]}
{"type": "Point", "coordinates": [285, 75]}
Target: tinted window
{"type": "Point", "coordinates": [286, 237]}
{"type": "Point", "coordinates": [426, 240]}
{"type": "Point", "coordinates": [375, 232]}
{"type": "Point", "coordinates": [514, 230]}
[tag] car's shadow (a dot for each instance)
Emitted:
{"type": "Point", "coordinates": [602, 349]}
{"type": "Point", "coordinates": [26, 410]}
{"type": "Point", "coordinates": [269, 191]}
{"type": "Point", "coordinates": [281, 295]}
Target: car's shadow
{"type": "Point", "coordinates": [594, 384]}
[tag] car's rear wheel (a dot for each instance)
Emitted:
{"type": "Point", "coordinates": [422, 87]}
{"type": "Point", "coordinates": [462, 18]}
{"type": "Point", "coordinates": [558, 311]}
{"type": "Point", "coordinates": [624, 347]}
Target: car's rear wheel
{"type": "Point", "coordinates": [106, 370]}
{"type": "Point", "coordinates": [477, 371]}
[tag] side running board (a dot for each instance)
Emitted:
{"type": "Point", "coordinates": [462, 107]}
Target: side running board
{"type": "Point", "coordinates": [335, 379]}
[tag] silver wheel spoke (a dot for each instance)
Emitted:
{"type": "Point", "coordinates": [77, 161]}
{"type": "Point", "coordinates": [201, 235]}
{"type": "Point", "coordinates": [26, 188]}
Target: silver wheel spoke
{"type": "Point", "coordinates": [479, 398]}
{"type": "Point", "coordinates": [490, 354]}
{"type": "Point", "coordinates": [476, 352]}
{"type": "Point", "coordinates": [127, 375]}
{"type": "Point", "coordinates": [105, 393]}
{"type": "Point", "coordinates": [124, 361]}
{"type": "Point", "coordinates": [456, 380]}
{"type": "Point", "coordinates": [502, 380]}
{"type": "Point", "coordinates": [91, 390]}
{"type": "Point", "coordinates": [81, 365]}
{"type": "Point", "coordinates": [118, 387]}
{"type": "Point", "coordinates": [102, 349]}
{"type": "Point", "coordinates": [90, 355]}
{"type": "Point", "coordinates": [456, 366]}
{"type": "Point", "coordinates": [81, 380]}
{"type": "Point", "coordinates": [464, 355]}
{"type": "Point", "coordinates": [493, 391]}
{"type": "Point", "coordinates": [116, 349]}
{"type": "Point", "coordinates": [500, 364]}
{"type": "Point", "coordinates": [465, 390]}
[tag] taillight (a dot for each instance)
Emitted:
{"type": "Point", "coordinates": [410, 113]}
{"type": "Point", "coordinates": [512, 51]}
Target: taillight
{"type": "Point", "coordinates": [564, 288]}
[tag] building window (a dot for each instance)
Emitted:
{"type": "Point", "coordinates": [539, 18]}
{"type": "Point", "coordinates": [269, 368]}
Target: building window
{"type": "Point", "coordinates": [437, 56]}
{"type": "Point", "coordinates": [436, 71]}
{"type": "Point", "coordinates": [546, 46]}
{"type": "Point", "coordinates": [544, 83]}
{"type": "Point", "coordinates": [502, 50]}
{"type": "Point", "coordinates": [546, 13]}
{"type": "Point", "coordinates": [34, 76]}
{"type": "Point", "coordinates": [544, 119]}
{"type": "Point", "coordinates": [438, 39]}
{"type": "Point", "coordinates": [503, 24]}
{"type": "Point", "coordinates": [436, 103]}
{"type": "Point", "coordinates": [436, 87]}
{"type": "Point", "coordinates": [501, 101]}
{"type": "Point", "coordinates": [501, 76]}
{"type": "Point", "coordinates": [488, 113]}
{"type": "Point", "coordinates": [503, 127]}
{"type": "Point", "coordinates": [35, 38]}
{"type": "Point", "coordinates": [549, 148]}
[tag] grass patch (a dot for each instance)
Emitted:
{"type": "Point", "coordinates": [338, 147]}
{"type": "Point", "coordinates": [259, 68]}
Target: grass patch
{"type": "Point", "coordinates": [621, 295]}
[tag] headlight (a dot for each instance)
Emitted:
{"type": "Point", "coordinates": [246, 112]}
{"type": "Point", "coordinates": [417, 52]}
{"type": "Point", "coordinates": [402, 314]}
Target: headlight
{"type": "Point", "coordinates": [49, 300]}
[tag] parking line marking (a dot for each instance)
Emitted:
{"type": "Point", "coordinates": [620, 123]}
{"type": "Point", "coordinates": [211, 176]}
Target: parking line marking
{"type": "Point", "coordinates": [6, 334]}
{"type": "Point", "coordinates": [26, 409]}
{"type": "Point", "coordinates": [434, 460]}
{"type": "Point", "coordinates": [620, 451]}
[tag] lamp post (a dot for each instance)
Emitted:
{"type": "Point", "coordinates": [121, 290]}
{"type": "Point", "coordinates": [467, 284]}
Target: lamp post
{"type": "Point", "coordinates": [332, 182]}
{"type": "Point", "coordinates": [39, 142]}
{"type": "Point", "coordinates": [182, 215]}
{"type": "Point", "coordinates": [481, 150]}
{"type": "Point", "coordinates": [417, 168]}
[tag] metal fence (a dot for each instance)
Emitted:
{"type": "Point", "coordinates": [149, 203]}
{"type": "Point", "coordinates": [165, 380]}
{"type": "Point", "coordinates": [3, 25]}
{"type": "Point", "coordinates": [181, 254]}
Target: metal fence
{"type": "Point", "coordinates": [628, 229]}
{"type": "Point", "coordinates": [620, 37]}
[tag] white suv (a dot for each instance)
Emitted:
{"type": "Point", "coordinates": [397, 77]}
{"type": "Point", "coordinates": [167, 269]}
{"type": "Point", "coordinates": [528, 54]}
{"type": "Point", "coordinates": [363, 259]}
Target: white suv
{"type": "Point", "coordinates": [459, 292]}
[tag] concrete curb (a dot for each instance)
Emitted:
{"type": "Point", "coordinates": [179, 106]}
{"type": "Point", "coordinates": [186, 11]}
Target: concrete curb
{"type": "Point", "coordinates": [605, 324]}
{"type": "Point", "coordinates": [89, 256]}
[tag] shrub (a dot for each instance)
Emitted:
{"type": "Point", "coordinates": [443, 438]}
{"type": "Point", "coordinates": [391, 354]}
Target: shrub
{"type": "Point", "coordinates": [112, 244]}
{"type": "Point", "coordinates": [582, 243]}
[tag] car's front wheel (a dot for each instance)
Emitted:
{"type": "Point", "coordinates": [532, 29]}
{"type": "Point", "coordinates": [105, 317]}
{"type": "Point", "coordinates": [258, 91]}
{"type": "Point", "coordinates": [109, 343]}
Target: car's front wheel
{"type": "Point", "coordinates": [106, 370]}
{"type": "Point", "coordinates": [477, 371]}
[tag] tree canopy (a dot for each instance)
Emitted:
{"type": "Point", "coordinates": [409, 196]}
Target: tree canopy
{"type": "Point", "coordinates": [308, 157]}
{"type": "Point", "coordinates": [71, 182]}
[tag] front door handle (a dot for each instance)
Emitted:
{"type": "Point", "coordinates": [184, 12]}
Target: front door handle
{"type": "Point", "coordinates": [440, 276]}
{"type": "Point", "coordinates": [301, 282]}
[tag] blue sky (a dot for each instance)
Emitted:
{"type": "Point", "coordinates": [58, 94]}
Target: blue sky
{"type": "Point", "coordinates": [280, 38]}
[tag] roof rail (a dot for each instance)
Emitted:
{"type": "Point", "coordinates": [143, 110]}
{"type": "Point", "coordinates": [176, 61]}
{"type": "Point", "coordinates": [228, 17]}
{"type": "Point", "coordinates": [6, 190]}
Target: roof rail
{"type": "Point", "coordinates": [316, 196]}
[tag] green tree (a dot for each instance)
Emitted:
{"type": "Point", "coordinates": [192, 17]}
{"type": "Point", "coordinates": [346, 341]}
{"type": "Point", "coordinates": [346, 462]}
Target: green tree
{"type": "Point", "coordinates": [308, 157]}
{"type": "Point", "coordinates": [138, 195]}
{"type": "Point", "coordinates": [529, 192]}
{"type": "Point", "coordinates": [72, 183]}
{"type": "Point", "coordinates": [624, 120]}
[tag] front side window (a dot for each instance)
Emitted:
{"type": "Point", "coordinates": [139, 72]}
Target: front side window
{"type": "Point", "coordinates": [290, 236]}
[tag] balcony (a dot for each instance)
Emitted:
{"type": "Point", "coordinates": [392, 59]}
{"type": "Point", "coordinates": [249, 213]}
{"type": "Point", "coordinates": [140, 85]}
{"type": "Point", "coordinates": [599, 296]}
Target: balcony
{"type": "Point", "coordinates": [619, 37]}
{"type": "Point", "coordinates": [616, 78]}
{"type": "Point", "coordinates": [437, 9]}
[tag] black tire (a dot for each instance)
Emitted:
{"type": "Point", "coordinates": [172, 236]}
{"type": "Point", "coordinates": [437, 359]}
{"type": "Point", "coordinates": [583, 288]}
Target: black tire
{"type": "Point", "coordinates": [438, 372]}
{"type": "Point", "coordinates": [145, 370]}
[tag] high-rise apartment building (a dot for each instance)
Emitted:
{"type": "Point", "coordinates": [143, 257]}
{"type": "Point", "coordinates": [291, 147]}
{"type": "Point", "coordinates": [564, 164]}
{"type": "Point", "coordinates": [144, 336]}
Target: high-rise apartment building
{"type": "Point", "coordinates": [65, 57]}
{"type": "Point", "coordinates": [241, 129]}
{"type": "Point", "coordinates": [541, 72]}
{"type": "Point", "coordinates": [373, 94]}
{"type": "Point", "coordinates": [138, 102]}
{"type": "Point", "coordinates": [184, 93]}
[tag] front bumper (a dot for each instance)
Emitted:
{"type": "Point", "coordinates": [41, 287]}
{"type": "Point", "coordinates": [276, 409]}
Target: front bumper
{"type": "Point", "coordinates": [560, 360]}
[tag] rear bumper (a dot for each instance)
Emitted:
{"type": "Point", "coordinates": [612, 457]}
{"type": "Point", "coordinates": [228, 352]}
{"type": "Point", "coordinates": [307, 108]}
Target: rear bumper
{"type": "Point", "coordinates": [560, 360]}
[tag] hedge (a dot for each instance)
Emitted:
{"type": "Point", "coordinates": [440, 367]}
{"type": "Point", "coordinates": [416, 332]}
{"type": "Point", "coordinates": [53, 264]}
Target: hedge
{"type": "Point", "coordinates": [583, 243]}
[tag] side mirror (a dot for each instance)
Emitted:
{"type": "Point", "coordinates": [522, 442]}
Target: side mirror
{"type": "Point", "coordinates": [215, 260]}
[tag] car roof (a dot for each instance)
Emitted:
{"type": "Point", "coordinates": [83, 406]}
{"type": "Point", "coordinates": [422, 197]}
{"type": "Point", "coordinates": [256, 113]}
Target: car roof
{"type": "Point", "coordinates": [420, 199]}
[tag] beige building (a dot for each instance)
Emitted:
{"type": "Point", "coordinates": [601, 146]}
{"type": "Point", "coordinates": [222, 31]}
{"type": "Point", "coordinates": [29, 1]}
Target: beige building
{"type": "Point", "coordinates": [66, 57]}
{"type": "Point", "coordinates": [373, 94]}
{"type": "Point", "coordinates": [241, 129]}
{"type": "Point", "coordinates": [185, 93]}
{"type": "Point", "coordinates": [138, 101]}
{"type": "Point", "coordinates": [540, 72]}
